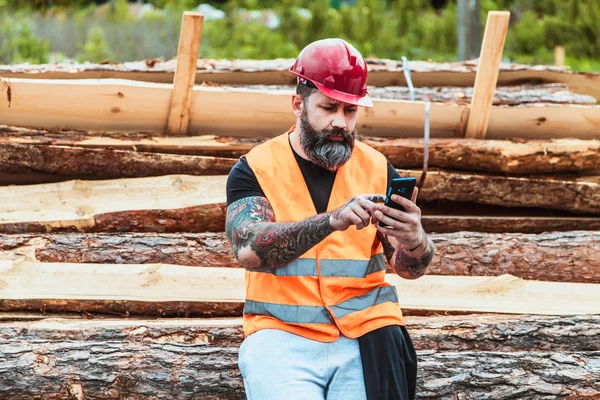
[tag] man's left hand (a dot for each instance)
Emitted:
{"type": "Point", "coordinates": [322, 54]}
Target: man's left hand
{"type": "Point", "coordinates": [404, 226]}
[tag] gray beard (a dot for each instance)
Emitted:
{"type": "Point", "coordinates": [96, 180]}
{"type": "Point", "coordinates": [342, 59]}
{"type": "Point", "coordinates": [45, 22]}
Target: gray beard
{"type": "Point", "coordinates": [322, 151]}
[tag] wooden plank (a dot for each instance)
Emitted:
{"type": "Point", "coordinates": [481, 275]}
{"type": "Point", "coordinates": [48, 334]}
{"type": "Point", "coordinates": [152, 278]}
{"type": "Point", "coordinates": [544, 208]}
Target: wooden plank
{"type": "Point", "coordinates": [487, 73]}
{"type": "Point", "coordinates": [185, 74]}
{"type": "Point", "coordinates": [175, 203]}
{"type": "Point", "coordinates": [559, 56]}
{"type": "Point", "coordinates": [510, 157]}
{"type": "Point", "coordinates": [168, 359]}
{"type": "Point", "coordinates": [382, 73]}
{"type": "Point", "coordinates": [171, 288]}
{"type": "Point", "coordinates": [551, 256]}
{"type": "Point", "coordinates": [162, 289]}
{"type": "Point", "coordinates": [127, 106]}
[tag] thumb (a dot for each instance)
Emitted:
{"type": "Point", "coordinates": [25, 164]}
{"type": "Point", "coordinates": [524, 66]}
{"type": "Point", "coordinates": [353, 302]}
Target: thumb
{"type": "Point", "coordinates": [414, 195]}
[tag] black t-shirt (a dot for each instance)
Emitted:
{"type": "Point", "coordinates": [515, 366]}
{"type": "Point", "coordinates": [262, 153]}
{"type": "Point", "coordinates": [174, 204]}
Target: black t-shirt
{"type": "Point", "coordinates": [388, 356]}
{"type": "Point", "coordinates": [242, 182]}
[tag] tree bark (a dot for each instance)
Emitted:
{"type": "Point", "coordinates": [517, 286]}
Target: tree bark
{"type": "Point", "coordinates": [526, 375]}
{"type": "Point", "coordinates": [494, 156]}
{"type": "Point", "coordinates": [192, 359]}
{"type": "Point", "coordinates": [86, 163]}
{"type": "Point", "coordinates": [506, 224]}
{"type": "Point", "coordinates": [511, 157]}
{"type": "Point", "coordinates": [485, 332]}
{"type": "Point", "coordinates": [553, 256]}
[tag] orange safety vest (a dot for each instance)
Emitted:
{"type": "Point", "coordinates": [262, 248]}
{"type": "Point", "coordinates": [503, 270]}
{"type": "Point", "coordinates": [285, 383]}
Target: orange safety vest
{"type": "Point", "coordinates": [339, 285]}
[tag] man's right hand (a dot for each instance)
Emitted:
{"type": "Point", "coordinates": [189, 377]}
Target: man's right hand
{"type": "Point", "coordinates": [359, 211]}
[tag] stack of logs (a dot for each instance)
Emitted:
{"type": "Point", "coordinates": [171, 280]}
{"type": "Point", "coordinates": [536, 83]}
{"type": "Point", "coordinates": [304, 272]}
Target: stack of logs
{"type": "Point", "coordinates": [117, 281]}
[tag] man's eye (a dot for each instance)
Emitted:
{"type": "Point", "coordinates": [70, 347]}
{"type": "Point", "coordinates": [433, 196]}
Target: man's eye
{"type": "Point", "coordinates": [328, 108]}
{"type": "Point", "coordinates": [351, 110]}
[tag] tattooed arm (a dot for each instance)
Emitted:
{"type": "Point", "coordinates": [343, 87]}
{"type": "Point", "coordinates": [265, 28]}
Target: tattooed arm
{"type": "Point", "coordinates": [406, 246]}
{"type": "Point", "coordinates": [408, 264]}
{"type": "Point", "coordinates": [258, 241]}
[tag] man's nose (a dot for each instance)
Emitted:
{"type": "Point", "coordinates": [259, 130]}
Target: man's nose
{"type": "Point", "coordinates": [339, 121]}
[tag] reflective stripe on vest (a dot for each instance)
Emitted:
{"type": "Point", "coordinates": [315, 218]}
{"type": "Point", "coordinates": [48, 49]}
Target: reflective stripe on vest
{"type": "Point", "coordinates": [376, 296]}
{"type": "Point", "coordinates": [329, 268]}
{"type": "Point", "coordinates": [320, 315]}
{"type": "Point", "coordinates": [287, 313]}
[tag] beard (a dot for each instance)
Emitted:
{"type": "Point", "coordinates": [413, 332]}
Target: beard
{"type": "Point", "coordinates": [321, 149]}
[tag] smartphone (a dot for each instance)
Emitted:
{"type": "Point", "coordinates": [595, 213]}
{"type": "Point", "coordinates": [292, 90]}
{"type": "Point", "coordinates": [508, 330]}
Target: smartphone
{"type": "Point", "coordinates": [403, 187]}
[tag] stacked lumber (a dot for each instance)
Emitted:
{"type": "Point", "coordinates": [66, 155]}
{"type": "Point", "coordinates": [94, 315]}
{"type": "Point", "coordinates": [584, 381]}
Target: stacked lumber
{"type": "Point", "coordinates": [382, 73]}
{"type": "Point", "coordinates": [117, 280]}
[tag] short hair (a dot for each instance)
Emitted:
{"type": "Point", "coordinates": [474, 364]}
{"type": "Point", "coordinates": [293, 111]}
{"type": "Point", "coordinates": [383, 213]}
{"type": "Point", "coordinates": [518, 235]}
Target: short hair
{"type": "Point", "coordinates": [303, 90]}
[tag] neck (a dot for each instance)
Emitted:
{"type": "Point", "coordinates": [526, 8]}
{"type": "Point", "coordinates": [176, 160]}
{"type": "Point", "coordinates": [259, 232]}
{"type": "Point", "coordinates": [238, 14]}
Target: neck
{"type": "Point", "coordinates": [295, 142]}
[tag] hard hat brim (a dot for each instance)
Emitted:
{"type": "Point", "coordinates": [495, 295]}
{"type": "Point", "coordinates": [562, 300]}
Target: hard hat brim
{"type": "Point", "coordinates": [363, 101]}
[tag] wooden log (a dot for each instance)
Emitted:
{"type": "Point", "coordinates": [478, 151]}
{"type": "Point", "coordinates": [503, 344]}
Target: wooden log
{"type": "Point", "coordinates": [528, 375]}
{"type": "Point", "coordinates": [507, 224]}
{"type": "Point", "coordinates": [382, 72]}
{"type": "Point", "coordinates": [172, 290]}
{"type": "Point", "coordinates": [553, 93]}
{"type": "Point", "coordinates": [171, 203]}
{"type": "Point", "coordinates": [553, 256]}
{"type": "Point", "coordinates": [487, 73]}
{"type": "Point", "coordinates": [176, 203]}
{"type": "Point", "coordinates": [113, 105]}
{"type": "Point", "coordinates": [184, 359]}
{"type": "Point", "coordinates": [485, 332]}
{"type": "Point", "coordinates": [512, 157]}
{"type": "Point", "coordinates": [495, 156]}
{"type": "Point", "coordinates": [94, 163]}
{"type": "Point", "coordinates": [190, 249]}
{"type": "Point", "coordinates": [572, 195]}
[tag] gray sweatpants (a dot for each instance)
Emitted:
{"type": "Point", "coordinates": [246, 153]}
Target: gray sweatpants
{"type": "Point", "coordinates": [280, 365]}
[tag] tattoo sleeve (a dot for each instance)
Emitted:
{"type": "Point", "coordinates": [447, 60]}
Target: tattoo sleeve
{"type": "Point", "coordinates": [264, 243]}
{"type": "Point", "coordinates": [406, 265]}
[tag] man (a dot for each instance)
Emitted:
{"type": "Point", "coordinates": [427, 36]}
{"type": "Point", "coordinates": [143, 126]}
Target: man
{"type": "Point", "coordinates": [303, 209]}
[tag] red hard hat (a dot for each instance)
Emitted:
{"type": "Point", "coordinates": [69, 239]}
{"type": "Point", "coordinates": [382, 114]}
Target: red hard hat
{"type": "Point", "coordinates": [336, 68]}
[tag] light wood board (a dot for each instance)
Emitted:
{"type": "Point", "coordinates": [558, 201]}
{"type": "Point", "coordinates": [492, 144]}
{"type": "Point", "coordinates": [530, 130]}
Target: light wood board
{"type": "Point", "coordinates": [24, 279]}
{"type": "Point", "coordinates": [129, 106]}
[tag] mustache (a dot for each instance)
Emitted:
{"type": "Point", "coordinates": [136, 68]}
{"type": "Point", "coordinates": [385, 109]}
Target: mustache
{"type": "Point", "coordinates": [327, 133]}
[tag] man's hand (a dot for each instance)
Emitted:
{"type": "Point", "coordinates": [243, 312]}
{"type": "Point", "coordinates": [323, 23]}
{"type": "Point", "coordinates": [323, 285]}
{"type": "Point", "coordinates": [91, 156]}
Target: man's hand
{"type": "Point", "coordinates": [408, 249]}
{"type": "Point", "coordinates": [404, 226]}
{"type": "Point", "coordinates": [358, 211]}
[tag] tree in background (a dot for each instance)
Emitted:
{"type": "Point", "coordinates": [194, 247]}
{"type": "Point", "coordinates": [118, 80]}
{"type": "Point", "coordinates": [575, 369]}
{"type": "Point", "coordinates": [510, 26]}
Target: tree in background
{"type": "Point", "coordinates": [381, 28]}
{"type": "Point", "coordinates": [19, 44]}
{"type": "Point", "coordinates": [96, 47]}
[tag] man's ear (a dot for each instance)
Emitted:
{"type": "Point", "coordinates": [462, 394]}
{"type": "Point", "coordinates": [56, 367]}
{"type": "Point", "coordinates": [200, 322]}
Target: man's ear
{"type": "Point", "coordinates": [297, 105]}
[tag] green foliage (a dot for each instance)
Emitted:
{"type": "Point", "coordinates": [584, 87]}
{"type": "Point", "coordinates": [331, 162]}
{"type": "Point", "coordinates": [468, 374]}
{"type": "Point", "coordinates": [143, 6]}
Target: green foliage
{"type": "Point", "coordinates": [96, 47]}
{"type": "Point", "coordinates": [542, 25]}
{"type": "Point", "coordinates": [380, 28]}
{"type": "Point", "coordinates": [19, 44]}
